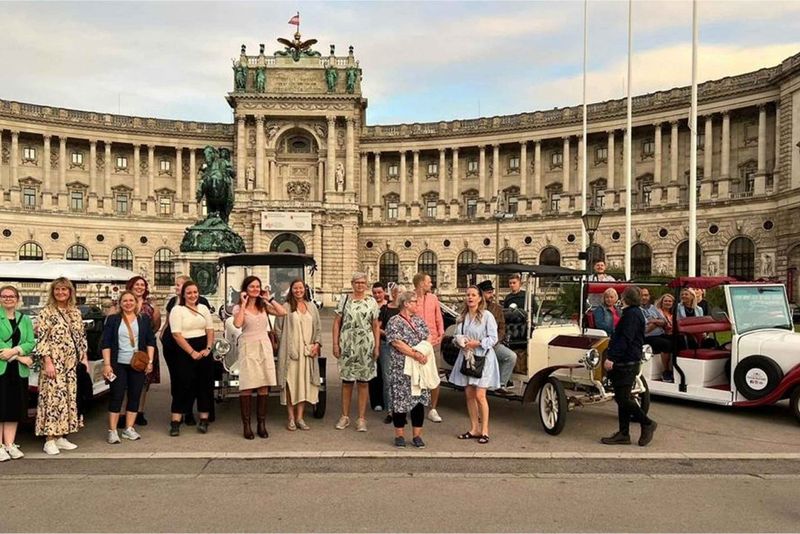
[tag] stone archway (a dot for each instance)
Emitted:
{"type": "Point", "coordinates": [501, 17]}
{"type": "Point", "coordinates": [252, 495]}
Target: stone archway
{"type": "Point", "coordinates": [297, 166]}
{"type": "Point", "coordinates": [287, 243]}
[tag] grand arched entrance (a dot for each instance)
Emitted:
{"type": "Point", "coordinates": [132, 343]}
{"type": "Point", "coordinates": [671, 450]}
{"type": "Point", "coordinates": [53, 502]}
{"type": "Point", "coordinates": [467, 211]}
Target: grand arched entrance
{"type": "Point", "coordinates": [287, 243]}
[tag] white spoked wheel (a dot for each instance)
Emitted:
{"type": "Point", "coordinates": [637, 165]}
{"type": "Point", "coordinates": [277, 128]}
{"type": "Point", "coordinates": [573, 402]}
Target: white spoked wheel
{"type": "Point", "coordinates": [552, 406]}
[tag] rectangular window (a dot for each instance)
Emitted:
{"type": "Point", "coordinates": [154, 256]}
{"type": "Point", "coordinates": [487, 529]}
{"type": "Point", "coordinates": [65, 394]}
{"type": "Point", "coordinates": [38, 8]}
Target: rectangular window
{"type": "Point", "coordinates": [433, 168]}
{"type": "Point", "coordinates": [701, 141]}
{"type": "Point", "coordinates": [77, 158]}
{"type": "Point", "coordinates": [556, 159]}
{"type": "Point", "coordinates": [122, 162]}
{"type": "Point", "coordinates": [749, 181]}
{"type": "Point", "coordinates": [472, 166]}
{"type": "Point", "coordinates": [472, 208]}
{"type": "Point", "coordinates": [430, 209]}
{"type": "Point", "coordinates": [29, 198]}
{"type": "Point", "coordinates": [513, 205]}
{"type": "Point", "coordinates": [513, 163]}
{"type": "Point", "coordinates": [29, 154]}
{"type": "Point", "coordinates": [393, 170]}
{"type": "Point", "coordinates": [391, 211]}
{"type": "Point", "coordinates": [164, 165]}
{"type": "Point", "coordinates": [648, 148]}
{"type": "Point", "coordinates": [555, 202]}
{"type": "Point", "coordinates": [121, 204]}
{"type": "Point", "coordinates": [76, 201]}
{"type": "Point", "coordinates": [165, 206]}
{"type": "Point", "coordinates": [599, 199]}
{"type": "Point", "coordinates": [601, 154]}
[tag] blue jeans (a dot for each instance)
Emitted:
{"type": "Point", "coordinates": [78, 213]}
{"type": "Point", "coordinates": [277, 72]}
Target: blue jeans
{"type": "Point", "coordinates": [385, 358]}
{"type": "Point", "coordinates": [506, 360]}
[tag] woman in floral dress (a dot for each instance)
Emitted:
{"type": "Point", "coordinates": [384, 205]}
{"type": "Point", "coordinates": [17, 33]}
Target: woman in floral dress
{"type": "Point", "coordinates": [62, 345]}
{"type": "Point", "coordinates": [356, 344]}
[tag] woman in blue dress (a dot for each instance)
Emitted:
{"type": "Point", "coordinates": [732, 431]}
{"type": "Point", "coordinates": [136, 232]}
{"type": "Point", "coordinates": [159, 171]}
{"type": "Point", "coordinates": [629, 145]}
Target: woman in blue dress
{"type": "Point", "coordinates": [476, 332]}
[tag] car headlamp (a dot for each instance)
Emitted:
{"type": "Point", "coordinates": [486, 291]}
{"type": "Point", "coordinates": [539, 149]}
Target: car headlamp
{"type": "Point", "coordinates": [591, 359]}
{"type": "Point", "coordinates": [647, 352]}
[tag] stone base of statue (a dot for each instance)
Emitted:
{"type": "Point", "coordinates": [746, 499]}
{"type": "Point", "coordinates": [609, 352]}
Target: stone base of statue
{"type": "Point", "coordinates": [212, 234]}
{"type": "Point", "coordinates": [201, 267]}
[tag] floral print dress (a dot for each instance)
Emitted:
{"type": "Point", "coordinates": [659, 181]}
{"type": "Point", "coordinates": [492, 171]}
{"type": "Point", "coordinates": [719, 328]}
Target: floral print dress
{"type": "Point", "coordinates": [399, 329]}
{"type": "Point", "coordinates": [356, 340]}
{"type": "Point", "coordinates": [61, 337]}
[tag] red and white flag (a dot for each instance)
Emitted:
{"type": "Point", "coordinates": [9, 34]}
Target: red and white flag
{"type": "Point", "coordinates": [295, 20]}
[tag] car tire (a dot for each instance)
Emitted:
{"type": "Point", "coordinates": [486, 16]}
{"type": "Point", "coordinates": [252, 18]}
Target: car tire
{"type": "Point", "coordinates": [757, 376]}
{"type": "Point", "coordinates": [552, 406]}
{"type": "Point", "coordinates": [794, 403]}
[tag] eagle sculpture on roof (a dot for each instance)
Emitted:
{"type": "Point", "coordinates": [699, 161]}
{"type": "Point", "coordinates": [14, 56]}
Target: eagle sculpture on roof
{"type": "Point", "coordinates": [297, 48]}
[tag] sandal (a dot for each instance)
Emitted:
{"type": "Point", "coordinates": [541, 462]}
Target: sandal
{"type": "Point", "coordinates": [467, 435]}
{"type": "Point", "coordinates": [483, 439]}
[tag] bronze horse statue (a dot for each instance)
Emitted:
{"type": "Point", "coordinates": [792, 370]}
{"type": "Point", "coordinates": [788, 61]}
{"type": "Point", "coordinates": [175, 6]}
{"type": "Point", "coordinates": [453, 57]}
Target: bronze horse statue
{"type": "Point", "coordinates": [216, 183]}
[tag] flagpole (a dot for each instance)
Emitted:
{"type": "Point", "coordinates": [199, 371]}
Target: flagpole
{"type": "Point", "coordinates": [628, 162]}
{"type": "Point", "coordinates": [298, 22]}
{"type": "Point", "coordinates": [693, 152]}
{"type": "Point", "coordinates": [585, 137]}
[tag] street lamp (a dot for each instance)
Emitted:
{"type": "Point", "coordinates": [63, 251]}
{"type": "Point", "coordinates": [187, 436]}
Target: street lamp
{"type": "Point", "coordinates": [500, 213]}
{"type": "Point", "coordinates": [591, 222]}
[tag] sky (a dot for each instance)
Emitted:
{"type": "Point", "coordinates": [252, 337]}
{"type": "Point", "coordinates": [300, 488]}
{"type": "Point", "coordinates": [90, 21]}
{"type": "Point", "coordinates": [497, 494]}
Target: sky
{"type": "Point", "coordinates": [421, 61]}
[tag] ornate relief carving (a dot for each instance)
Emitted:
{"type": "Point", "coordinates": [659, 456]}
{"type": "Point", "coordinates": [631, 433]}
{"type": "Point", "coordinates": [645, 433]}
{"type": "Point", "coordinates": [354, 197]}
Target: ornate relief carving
{"type": "Point", "coordinates": [251, 138]}
{"type": "Point", "coordinates": [54, 158]}
{"type": "Point", "coordinates": [143, 166]}
{"type": "Point", "coordinates": [101, 162]}
{"type": "Point", "coordinates": [298, 190]}
{"type": "Point", "coordinates": [6, 153]}
{"type": "Point", "coordinates": [340, 138]}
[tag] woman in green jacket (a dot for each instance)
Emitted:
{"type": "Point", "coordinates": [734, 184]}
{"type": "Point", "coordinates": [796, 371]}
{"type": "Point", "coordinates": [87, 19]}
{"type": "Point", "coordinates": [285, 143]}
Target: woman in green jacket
{"type": "Point", "coordinates": [16, 343]}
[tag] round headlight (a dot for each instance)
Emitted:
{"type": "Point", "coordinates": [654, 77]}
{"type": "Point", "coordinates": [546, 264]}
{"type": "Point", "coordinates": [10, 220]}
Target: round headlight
{"type": "Point", "coordinates": [221, 348]}
{"type": "Point", "coordinates": [647, 352]}
{"type": "Point", "coordinates": [591, 359]}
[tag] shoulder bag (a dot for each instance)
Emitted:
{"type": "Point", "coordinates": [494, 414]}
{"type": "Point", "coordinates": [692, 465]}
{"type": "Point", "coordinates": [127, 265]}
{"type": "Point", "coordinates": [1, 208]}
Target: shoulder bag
{"type": "Point", "coordinates": [472, 364]}
{"type": "Point", "coordinates": [140, 359]}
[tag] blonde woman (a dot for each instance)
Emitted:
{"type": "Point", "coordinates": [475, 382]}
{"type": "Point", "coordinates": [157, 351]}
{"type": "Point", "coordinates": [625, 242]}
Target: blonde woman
{"type": "Point", "coordinates": [298, 366]}
{"type": "Point", "coordinates": [62, 345]}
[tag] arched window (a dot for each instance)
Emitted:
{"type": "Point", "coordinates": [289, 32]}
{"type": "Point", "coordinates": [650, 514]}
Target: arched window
{"type": "Point", "coordinates": [287, 243]}
{"type": "Point", "coordinates": [30, 251]}
{"type": "Point", "coordinates": [742, 258]}
{"type": "Point", "coordinates": [507, 255]}
{"type": "Point", "coordinates": [122, 257]}
{"type": "Point", "coordinates": [550, 256]}
{"type": "Point", "coordinates": [164, 267]}
{"type": "Point", "coordinates": [428, 264]}
{"type": "Point", "coordinates": [596, 253]}
{"type": "Point", "coordinates": [682, 259]}
{"type": "Point", "coordinates": [641, 261]}
{"type": "Point", "coordinates": [77, 253]}
{"type": "Point", "coordinates": [389, 267]}
{"type": "Point", "coordinates": [464, 259]}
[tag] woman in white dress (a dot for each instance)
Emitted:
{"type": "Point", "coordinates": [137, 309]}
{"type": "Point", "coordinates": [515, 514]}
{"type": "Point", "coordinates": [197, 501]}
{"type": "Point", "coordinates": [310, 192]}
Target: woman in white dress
{"type": "Point", "coordinates": [298, 366]}
{"type": "Point", "coordinates": [477, 330]}
{"type": "Point", "coordinates": [256, 360]}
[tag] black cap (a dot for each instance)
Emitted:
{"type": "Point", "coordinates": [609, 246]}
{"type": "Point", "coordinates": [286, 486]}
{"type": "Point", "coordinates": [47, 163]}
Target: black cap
{"type": "Point", "coordinates": [486, 285]}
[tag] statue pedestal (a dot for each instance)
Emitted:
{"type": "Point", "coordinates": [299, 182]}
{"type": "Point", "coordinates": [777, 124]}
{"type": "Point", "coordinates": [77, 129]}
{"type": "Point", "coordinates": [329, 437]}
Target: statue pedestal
{"type": "Point", "coordinates": [212, 234]}
{"type": "Point", "coordinates": [201, 267]}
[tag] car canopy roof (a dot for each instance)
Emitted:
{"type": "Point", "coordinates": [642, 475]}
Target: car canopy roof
{"type": "Point", "coordinates": [511, 268]}
{"type": "Point", "coordinates": [278, 259]}
{"type": "Point", "coordinates": [701, 282]}
{"type": "Point", "coordinates": [82, 272]}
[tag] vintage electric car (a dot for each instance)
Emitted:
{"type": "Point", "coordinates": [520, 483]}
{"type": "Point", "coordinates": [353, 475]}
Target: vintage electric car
{"type": "Point", "coordinates": [559, 359]}
{"type": "Point", "coordinates": [276, 269]}
{"type": "Point", "coordinates": [760, 365]}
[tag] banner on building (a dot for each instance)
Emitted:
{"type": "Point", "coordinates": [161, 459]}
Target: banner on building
{"type": "Point", "coordinates": [289, 221]}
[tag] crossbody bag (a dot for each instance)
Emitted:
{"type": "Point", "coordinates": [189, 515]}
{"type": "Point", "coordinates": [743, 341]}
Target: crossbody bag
{"type": "Point", "coordinates": [140, 359]}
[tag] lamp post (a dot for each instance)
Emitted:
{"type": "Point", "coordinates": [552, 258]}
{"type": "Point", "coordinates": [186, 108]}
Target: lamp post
{"type": "Point", "coordinates": [591, 222]}
{"type": "Point", "coordinates": [500, 213]}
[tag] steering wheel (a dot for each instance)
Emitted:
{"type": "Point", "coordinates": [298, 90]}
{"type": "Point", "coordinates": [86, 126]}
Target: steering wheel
{"type": "Point", "coordinates": [555, 312]}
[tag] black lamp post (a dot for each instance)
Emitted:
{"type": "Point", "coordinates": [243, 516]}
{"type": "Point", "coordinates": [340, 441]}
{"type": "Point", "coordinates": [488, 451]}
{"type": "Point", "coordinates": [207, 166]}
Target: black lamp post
{"type": "Point", "coordinates": [591, 222]}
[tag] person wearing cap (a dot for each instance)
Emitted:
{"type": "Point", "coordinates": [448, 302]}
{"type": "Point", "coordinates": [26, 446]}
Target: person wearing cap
{"type": "Point", "coordinates": [506, 358]}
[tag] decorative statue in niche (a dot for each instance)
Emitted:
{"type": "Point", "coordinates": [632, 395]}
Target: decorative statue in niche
{"type": "Point", "coordinates": [261, 79]}
{"type": "Point", "coordinates": [339, 176]}
{"type": "Point", "coordinates": [408, 273]}
{"type": "Point", "coordinates": [250, 175]}
{"type": "Point", "coordinates": [331, 77]}
{"type": "Point", "coordinates": [371, 273]}
{"type": "Point", "coordinates": [352, 78]}
{"type": "Point", "coordinates": [446, 276]}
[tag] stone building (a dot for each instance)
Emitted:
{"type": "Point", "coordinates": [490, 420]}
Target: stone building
{"type": "Point", "coordinates": [313, 177]}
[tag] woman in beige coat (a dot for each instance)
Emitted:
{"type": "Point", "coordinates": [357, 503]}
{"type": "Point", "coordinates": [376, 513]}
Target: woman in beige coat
{"type": "Point", "coordinates": [298, 352]}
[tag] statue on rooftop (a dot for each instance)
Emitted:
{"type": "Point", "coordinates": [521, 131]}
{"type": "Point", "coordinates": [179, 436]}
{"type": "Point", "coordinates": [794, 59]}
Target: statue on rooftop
{"type": "Point", "coordinates": [352, 78]}
{"type": "Point", "coordinates": [297, 48]}
{"type": "Point", "coordinates": [331, 77]}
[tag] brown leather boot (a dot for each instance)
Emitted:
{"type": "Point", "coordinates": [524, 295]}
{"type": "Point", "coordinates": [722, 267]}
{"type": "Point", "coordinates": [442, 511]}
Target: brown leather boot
{"type": "Point", "coordinates": [261, 414]}
{"type": "Point", "coordinates": [245, 404]}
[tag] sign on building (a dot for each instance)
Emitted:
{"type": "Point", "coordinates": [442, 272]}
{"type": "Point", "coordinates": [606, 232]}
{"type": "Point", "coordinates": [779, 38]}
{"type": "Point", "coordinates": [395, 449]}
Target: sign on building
{"type": "Point", "coordinates": [290, 221]}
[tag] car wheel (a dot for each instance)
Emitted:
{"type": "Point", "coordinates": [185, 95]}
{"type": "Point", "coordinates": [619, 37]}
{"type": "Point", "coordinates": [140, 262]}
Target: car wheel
{"type": "Point", "coordinates": [643, 398]}
{"type": "Point", "coordinates": [552, 406]}
{"type": "Point", "coordinates": [757, 376]}
{"type": "Point", "coordinates": [794, 402]}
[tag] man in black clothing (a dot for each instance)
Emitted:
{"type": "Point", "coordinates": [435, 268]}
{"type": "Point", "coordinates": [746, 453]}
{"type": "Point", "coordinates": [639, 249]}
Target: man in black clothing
{"type": "Point", "coordinates": [517, 296]}
{"type": "Point", "coordinates": [622, 364]}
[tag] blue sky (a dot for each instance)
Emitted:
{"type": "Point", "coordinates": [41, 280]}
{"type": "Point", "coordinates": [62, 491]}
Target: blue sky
{"type": "Point", "coordinates": [422, 61]}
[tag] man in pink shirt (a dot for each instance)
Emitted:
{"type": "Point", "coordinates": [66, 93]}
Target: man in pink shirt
{"type": "Point", "coordinates": [429, 309]}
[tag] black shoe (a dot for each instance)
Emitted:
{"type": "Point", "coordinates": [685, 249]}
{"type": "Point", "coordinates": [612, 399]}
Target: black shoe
{"type": "Point", "coordinates": [617, 439]}
{"type": "Point", "coordinates": [174, 428]}
{"type": "Point", "coordinates": [202, 426]}
{"type": "Point", "coordinates": [400, 442]}
{"type": "Point", "coordinates": [387, 419]}
{"type": "Point", "coordinates": [188, 419]}
{"type": "Point", "coordinates": [647, 433]}
{"type": "Point", "coordinates": [418, 443]}
{"type": "Point", "coordinates": [140, 420]}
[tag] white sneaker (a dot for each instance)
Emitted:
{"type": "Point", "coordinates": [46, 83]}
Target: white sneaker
{"type": "Point", "coordinates": [131, 434]}
{"type": "Point", "coordinates": [113, 437]}
{"type": "Point", "coordinates": [4, 457]}
{"type": "Point", "coordinates": [51, 448]}
{"type": "Point", "coordinates": [13, 451]}
{"type": "Point", "coordinates": [343, 423]}
{"type": "Point", "coordinates": [434, 416]}
{"type": "Point", "coordinates": [65, 445]}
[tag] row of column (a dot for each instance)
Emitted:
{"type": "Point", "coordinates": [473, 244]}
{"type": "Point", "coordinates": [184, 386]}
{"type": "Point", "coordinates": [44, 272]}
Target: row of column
{"type": "Point", "coordinates": [97, 186]}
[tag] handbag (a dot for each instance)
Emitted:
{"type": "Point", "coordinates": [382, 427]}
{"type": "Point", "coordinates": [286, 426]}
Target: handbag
{"type": "Point", "coordinates": [140, 359]}
{"type": "Point", "coordinates": [472, 365]}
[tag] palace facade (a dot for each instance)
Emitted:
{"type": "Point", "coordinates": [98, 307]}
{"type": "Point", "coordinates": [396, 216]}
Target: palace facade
{"type": "Point", "coordinates": [390, 200]}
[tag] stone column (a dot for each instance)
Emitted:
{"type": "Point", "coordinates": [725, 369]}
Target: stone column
{"type": "Point", "coordinates": [482, 173]}
{"type": "Point", "coordinates": [415, 177]}
{"type": "Point", "coordinates": [92, 167]}
{"type": "Point", "coordinates": [442, 176]}
{"type": "Point", "coordinates": [107, 168]}
{"type": "Point", "coordinates": [776, 164]}
{"type": "Point", "coordinates": [579, 178]}
{"type": "Point", "coordinates": [364, 178]}
{"type": "Point", "coordinates": [705, 186]}
{"type": "Point", "coordinates": [62, 164]}
{"type": "Point", "coordinates": [350, 151]}
{"type": "Point", "coordinates": [403, 180]}
{"type": "Point", "coordinates": [151, 171]}
{"type": "Point", "coordinates": [275, 191]}
{"type": "Point", "coordinates": [48, 186]}
{"type": "Point", "coordinates": [260, 148]}
{"type": "Point", "coordinates": [523, 169]}
{"type": "Point", "coordinates": [657, 178]}
{"type": "Point", "coordinates": [136, 185]}
{"type": "Point", "coordinates": [179, 174]}
{"type": "Point", "coordinates": [377, 198]}
{"type": "Point", "coordinates": [321, 180]}
{"type": "Point", "coordinates": [725, 171]}
{"type": "Point", "coordinates": [610, 162]}
{"type": "Point", "coordinates": [13, 177]}
{"type": "Point", "coordinates": [192, 182]}
{"type": "Point", "coordinates": [673, 152]}
{"type": "Point", "coordinates": [241, 152]}
{"type": "Point", "coordinates": [456, 198]}
{"type": "Point", "coordinates": [495, 171]}
{"type": "Point", "coordinates": [537, 168]}
{"type": "Point", "coordinates": [565, 167]}
{"type": "Point", "coordinates": [761, 178]}
{"type": "Point", "coordinates": [330, 176]}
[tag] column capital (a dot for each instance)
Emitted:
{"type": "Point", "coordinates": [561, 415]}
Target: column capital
{"type": "Point", "coordinates": [62, 139]}
{"type": "Point", "coordinates": [674, 123]}
{"type": "Point", "coordinates": [107, 142]}
{"type": "Point", "coordinates": [241, 118]}
{"type": "Point", "coordinates": [762, 107]}
{"type": "Point", "coordinates": [537, 142]}
{"type": "Point", "coordinates": [658, 124]}
{"type": "Point", "coordinates": [376, 152]}
{"type": "Point", "coordinates": [260, 119]}
{"type": "Point", "coordinates": [415, 152]}
{"type": "Point", "coordinates": [726, 114]}
{"type": "Point", "coordinates": [14, 133]}
{"type": "Point", "coordinates": [350, 119]}
{"type": "Point", "coordinates": [454, 149]}
{"type": "Point", "coordinates": [137, 146]}
{"type": "Point", "coordinates": [151, 149]}
{"type": "Point", "coordinates": [496, 146]}
{"type": "Point", "coordinates": [92, 141]}
{"type": "Point", "coordinates": [566, 137]}
{"type": "Point", "coordinates": [613, 131]}
{"type": "Point", "coordinates": [330, 118]}
{"type": "Point", "coordinates": [442, 150]}
{"type": "Point", "coordinates": [46, 137]}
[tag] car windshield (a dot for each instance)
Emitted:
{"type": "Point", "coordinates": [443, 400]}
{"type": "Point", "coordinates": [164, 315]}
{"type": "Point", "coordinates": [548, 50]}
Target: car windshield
{"type": "Point", "coordinates": [281, 277]}
{"type": "Point", "coordinates": [759, 307]}
{"type": "Point", "coordinates": [560, 302]}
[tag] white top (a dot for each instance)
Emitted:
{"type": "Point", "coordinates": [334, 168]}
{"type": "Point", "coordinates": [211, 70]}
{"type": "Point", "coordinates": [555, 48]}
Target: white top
{"type": "Point", "coordinates": [189, 324]}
